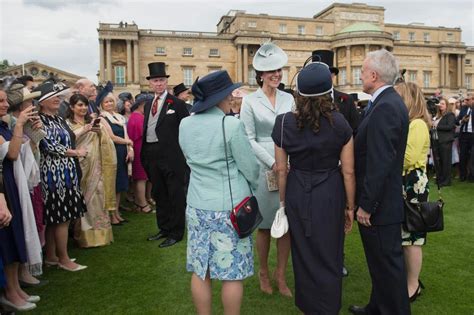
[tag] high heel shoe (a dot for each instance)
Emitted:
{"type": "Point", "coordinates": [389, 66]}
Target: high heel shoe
{"type": "Point", "coordinates": [417, 292]}
{"type": "Point", "coordinates": [282, 286]}
{"type": "Point", "coordinates": [265, 285]}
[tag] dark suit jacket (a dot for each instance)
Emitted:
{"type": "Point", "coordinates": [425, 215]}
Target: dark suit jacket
{"type": "Point", "coordinates": [461, 115]}
{"type": "Point", "coordinates": [380, 145]}
{"type": "Point", "coordinates": [345, 104]}
{"type": "Point", "coordinates": [445, 128]}
{"type": "Point", "coordinates": [167, 131]}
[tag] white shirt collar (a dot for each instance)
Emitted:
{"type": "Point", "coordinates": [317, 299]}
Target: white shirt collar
{"type": "Point", "coordinates": [378, 92]}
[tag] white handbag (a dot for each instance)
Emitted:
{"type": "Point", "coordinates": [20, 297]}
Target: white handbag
{"type": "Point", "coordinates": [280, 224]}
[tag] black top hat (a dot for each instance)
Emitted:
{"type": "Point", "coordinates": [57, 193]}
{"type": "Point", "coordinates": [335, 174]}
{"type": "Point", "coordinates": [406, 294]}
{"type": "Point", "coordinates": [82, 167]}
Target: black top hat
{"type": "Point", "coordinates": [103, 93]}
{"type": "Point", "coordinates": [327, 57]}
{"type": "Point", "coordinates": [355, 96]}
{"type": "Point", "coordinates": [157, 70]}
{"type": "Point", "coordinates": [314, 80]}
{"type": "Point", "coordinates": [212, 89]}
{"type": "Point", "coordinates": [180, 88]}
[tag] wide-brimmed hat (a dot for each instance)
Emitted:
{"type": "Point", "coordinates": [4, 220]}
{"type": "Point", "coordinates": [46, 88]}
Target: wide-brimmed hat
{"type": "Point", "coordinates": [211, 89]}
{"type": "Point", "coordinates": [180, 88]}
{"type": "Point", "coordinates": [269, 57]}
{"type": "Point", "coordinates": [18, 93]}
{"type": "Point", "coordinates": [124, 96]}
{"type": "Point", "coordinates": [157, 70]}
{"type": "Point", "coordinates": [49, 89]}
{"type": "Point", "coordinates": [108, 88]}
{"type": "Point", "coordinates": [327, 57]}
{"type": "Point", "coordinates": [140, 99]}
{"type": "Point", "coordinates": [314, 80]}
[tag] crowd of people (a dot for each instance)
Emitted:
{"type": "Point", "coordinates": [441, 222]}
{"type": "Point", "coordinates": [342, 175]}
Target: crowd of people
{"type": "Point", "coordinates": [71, 155]}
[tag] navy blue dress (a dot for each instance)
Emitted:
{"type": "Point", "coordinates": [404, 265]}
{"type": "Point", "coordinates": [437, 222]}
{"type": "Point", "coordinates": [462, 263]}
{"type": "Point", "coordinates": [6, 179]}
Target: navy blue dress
{"type": "Point", "coordinates": [315, 202]}
{"type": "Point", "coordinates": [121, 182]}
{"type": "Point", "coordinates": [12, 237]}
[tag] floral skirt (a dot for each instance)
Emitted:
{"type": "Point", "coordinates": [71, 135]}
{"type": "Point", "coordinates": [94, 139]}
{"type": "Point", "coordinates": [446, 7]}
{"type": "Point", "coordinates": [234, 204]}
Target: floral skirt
{"type": "Point", "coordinates": [215, 247]}
{"type": "Point", "coordinates": [417, 190]}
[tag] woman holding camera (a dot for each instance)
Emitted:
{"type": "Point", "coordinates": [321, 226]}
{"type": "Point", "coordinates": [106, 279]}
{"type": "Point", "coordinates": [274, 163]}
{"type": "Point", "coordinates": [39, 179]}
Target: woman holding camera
{"type": "Point", "coordinates": [94, 228]}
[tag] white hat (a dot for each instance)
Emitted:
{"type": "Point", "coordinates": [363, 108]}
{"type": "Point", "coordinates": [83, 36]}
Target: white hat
{"type": "Point", "coordinates": [269, 57]}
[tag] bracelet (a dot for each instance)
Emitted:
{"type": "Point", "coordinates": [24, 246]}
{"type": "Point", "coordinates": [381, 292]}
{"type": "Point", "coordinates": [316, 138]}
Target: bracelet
{"type": "Point", "coordinates": [350, 209]}
{"type": "Point", "coordinates": [18, 136]}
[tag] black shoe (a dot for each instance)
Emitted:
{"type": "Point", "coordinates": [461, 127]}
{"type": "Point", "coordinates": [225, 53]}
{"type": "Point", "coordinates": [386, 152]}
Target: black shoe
{"type": "Point", "coordinates": [345, 273]}
{"type": "Point", "coordinates": [24, 284]}
{"type": "Point", "coordinates": [157, 237]}
{"type": "Point", "coordinates": [168, 242]}
{"type": "Point", "coordinates": [417, 292]}
{"type": "Point", "coordinates": [358, 310]}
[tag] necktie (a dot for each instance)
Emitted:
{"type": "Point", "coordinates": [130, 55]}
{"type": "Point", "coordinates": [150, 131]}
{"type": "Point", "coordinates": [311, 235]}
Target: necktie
{"type": "Point", "coordinates": [368, 107]}
{"type": "Point", "coordinates": [154, 107]}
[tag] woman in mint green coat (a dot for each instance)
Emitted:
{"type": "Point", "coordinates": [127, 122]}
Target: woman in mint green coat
{"type": "Point", "coordinates": [214, 250]}
{"type": "Point", "coordinates": [258, 114]}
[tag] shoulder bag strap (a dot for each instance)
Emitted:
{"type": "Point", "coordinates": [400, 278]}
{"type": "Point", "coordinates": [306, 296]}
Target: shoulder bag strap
{"type": "Point", "coordinates": [227, 163]}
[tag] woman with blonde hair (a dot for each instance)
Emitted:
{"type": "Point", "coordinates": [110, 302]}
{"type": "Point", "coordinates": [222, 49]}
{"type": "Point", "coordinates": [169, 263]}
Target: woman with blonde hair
{"type": "Point", "coordinates": [444, 125]}
{"type": "Point", "coordinates": [414, 178]}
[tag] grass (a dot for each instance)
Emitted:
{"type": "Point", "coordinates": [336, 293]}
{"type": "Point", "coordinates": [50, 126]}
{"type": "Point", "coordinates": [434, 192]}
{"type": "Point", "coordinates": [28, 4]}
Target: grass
{"type": "Point", "coordinates": [134, 276]}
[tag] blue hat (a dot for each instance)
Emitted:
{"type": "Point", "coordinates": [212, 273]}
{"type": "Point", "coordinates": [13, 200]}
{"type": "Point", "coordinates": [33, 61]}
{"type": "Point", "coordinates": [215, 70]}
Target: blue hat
{"type": "Point", "coordinates": [141, 98]}
{"type": "Point", "coordinates": [211, 89]}
{"type": "Point", "coordinates": [102, 94]}
{"type": "Point", "coordinates": [314, 80]}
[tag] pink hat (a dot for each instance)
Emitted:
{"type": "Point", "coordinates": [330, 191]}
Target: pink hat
{"type": "Point", "coordinates": [238, 93]}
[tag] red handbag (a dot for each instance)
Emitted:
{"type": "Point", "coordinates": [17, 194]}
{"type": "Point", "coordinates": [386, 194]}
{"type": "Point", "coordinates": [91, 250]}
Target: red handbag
{"type": "Point", "coordinates": [246, 216]}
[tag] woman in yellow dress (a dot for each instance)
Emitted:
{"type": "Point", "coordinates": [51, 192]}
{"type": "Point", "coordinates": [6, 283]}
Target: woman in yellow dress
{"type": "Point", "coordinates": [98, 175]}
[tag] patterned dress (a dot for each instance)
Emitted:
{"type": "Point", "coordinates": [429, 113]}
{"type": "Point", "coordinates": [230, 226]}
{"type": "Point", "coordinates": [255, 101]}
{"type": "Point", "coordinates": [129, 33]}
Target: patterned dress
{"type": "Point", "coordinates": [62, 196]}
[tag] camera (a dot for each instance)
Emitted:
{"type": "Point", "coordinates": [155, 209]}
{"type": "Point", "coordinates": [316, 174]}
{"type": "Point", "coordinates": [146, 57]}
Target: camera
{"type": "Point", "coordinates": [431, 105]}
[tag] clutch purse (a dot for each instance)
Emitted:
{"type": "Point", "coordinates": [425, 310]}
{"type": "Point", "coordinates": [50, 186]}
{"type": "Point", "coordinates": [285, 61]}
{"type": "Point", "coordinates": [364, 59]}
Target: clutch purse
{"type": "Point", "coordinates": [246, 216]}
{"type": "Point", "coordinates": [280, 224]}
{"type": "Point", "coordinates": [272, 180]}
{"type": "Point", "coordinates": [35, 135]}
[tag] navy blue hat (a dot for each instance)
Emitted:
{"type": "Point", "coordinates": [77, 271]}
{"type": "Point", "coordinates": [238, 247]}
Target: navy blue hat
{"type": "Point", "coordinates": [102, 94]}
{"type": "Point", "coordinates": [211, 89]}
{"type": "Point", "coordinates": [314, 80]}
{"type": "Point", "coordinates": [141, 98]}
{"type": "Point", "coordinates": [125, 96]}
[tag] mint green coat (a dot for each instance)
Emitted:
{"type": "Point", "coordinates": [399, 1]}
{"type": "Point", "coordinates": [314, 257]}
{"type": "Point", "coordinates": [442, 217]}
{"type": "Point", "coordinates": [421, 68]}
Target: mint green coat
{"type": "Point", "coordinates": [202, 143]}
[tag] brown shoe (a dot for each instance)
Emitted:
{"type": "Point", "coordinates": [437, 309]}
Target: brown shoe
{"type": "Point", "coordinates": [265, 284]}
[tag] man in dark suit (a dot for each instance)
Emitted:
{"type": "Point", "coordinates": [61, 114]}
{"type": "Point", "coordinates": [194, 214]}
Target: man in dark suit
{"type": "Point", "coordinates": [162, 157]}
{"type": "Point", "coordinates": [184, 94]}
{"type": "Point", "coordinates": [466, 140]}
{"type": "Point", "coordinates": [343, 101]}
{"type": "Point", "coordinates": [379, 153]}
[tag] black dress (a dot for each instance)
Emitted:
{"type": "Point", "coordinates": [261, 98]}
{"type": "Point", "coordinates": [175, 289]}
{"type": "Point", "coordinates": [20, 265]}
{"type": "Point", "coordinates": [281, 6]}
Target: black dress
{"type": "Point", "coordinates": [315, 202]}
{"type": "Point", "coordinates": [121, 181]}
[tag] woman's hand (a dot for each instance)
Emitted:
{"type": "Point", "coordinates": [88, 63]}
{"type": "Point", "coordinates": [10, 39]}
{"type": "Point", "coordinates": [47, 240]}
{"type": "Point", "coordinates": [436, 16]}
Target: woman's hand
{"type": "Point", "coordinates": [81, 152]}
{"type": "Point", "coordinates": [5, 215]}
{"type": "Point", "coordinates": [349, 220]}
{"type": "Point", "coordinates": [130, 155]}
{"type": "Point", "coordinates": [28, 113]}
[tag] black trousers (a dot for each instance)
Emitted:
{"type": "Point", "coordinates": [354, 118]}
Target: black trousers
{"type": "Point", "coordinates": [168, 191]}
{"type": "Point", "coordinates": [445, 153]}
{"type": "Point", "coordinates": [466, 155]}
{"type": "Point", "coordinates": [384, 254]}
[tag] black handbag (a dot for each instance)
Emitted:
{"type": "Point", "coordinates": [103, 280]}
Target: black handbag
{"type": "Point", "coordinates": [246, 216]}
{"type": "Point", "coordinates": [426, 216]}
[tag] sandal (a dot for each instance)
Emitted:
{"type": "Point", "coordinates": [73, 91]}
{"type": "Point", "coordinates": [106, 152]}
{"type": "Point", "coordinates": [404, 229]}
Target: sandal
{"type": "Point", "coordinates": [141, 208]}
{"type": "Point", "coordinates": [151, 202]}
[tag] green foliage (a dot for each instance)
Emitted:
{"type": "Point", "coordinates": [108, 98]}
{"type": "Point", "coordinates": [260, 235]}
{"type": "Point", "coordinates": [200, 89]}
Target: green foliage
{"type": "Point", "coordinates": [134, 276]}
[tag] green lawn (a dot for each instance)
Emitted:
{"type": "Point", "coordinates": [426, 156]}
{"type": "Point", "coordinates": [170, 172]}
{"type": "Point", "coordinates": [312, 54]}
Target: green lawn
{"type": "Point", "coordinates": [134, 276]}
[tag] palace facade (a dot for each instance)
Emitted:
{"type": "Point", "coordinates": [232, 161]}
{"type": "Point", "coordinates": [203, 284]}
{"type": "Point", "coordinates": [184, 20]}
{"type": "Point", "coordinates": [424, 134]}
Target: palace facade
{"type": "Point", "coordinates": [434, 57]}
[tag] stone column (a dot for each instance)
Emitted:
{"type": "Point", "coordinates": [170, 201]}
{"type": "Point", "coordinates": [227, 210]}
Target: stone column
{"type": "Point", "coordinates": [246, 65]}
{"type": "Point", "coordinates": [458, 70]}
{"type": "Point", "coordinates": [348, 66]}
{"type": "Point", "coordinates": [239, 63]}
{"type": "Point", "coordinates": [447, 80]}
{"type": "Point", "coordinates": [463, 75]}
{"type": "Point", "coordinates": [441, 71]}
{"type": "Point", "coordinates": [136, 74]}
{"type": "Point", "coordinates": [102, 61]}
{"type": "Point", "coordinates": [108, 53]}
{"type": "Point", "coordinates": [129, 61]}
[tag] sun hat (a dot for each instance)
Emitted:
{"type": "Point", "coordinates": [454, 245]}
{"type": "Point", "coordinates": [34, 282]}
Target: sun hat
{"type": "Point", "coordinates": [18, 93]}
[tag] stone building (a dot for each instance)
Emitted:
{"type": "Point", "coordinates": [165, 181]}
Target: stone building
{"type": "Point", "coordinates": [434, 57]}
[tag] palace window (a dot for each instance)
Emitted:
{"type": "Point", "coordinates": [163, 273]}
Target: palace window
{"type": "Point", "coordinates": [426, 37]}
{"type": "Point", "coordinates": [319, 30]}
{"type": "Point", "coordinates": [160, 51]}
{"type": "Point", "coordinates": [426, 79]}
{"type": "Point", "coordinates": [301, 30]}
{"type": "Point", "coordinates": [468, 81]}
{"type": "Point", "coordinates": [214, 52]}
{"type": "Point", "coordinates": [342, 77]}
{"type": "Point", "coordinates": [356, 75]}
{"type": "Point", "coordinates": [396, 35]}
{"type": "Point", "coordinates": [450, 37]}
{"type": "Point", "coordinates": [252, 80]}
{"type": "Point", "coordinates": [468, 62]}
{"type": "Point", "coordinates": [252, 24]}
{"type": "Point", "coordinates": [411, 36]}
{"type": "Point", "coordinates": [188, 76]}
{"type": "Point", "coordinates": [187, 51]}
{"type": "Point", "coordinates": [412, 76]}
{"type": "Point", "coordinates": [283, 28]}
{"type": "Point", "coordinates": [119, 75]}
